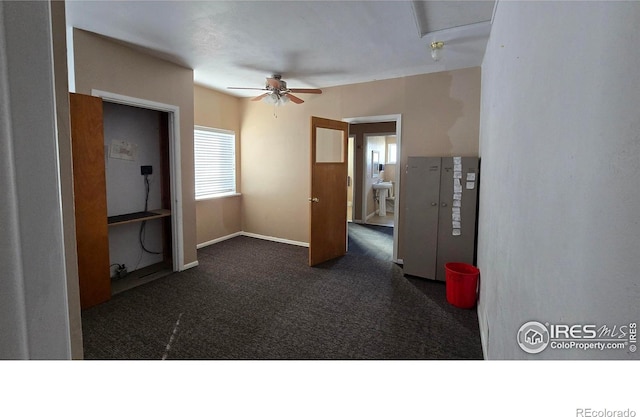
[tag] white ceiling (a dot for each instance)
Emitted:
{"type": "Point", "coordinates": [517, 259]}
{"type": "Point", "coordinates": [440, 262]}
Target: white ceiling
{"type": "Point", "coordinates": [313, 44]}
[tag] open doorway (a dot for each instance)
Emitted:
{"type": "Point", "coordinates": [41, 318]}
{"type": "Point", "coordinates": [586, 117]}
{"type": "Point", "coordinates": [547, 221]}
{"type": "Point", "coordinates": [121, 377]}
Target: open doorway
{"type": "Point", "coordinates": [379, 179]}
{"type": "Point", "coordinates": [374, 164]}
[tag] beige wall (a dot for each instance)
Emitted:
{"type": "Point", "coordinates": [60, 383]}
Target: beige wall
{"type": "Point", "coordinates": [440, 117]}
{"type": "Point", "coordinates": [218, 217]}
{"type": "Point", "coordinates": [109, 66]}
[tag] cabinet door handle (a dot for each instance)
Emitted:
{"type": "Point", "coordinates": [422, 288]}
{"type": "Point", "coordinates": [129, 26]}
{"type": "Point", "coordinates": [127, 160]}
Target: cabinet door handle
{"type": "Point", "coordinates": [444, 204]}
{"type": "Point", "coordinates": [434, 204]}
{"type": "Point", "coordinates": [314, 199]}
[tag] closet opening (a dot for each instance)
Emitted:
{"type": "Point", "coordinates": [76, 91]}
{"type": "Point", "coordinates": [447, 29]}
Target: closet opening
{"type": "Point", "coordinates": [163, 229]}
{"type": "Point", "coordinates": [137, 168]}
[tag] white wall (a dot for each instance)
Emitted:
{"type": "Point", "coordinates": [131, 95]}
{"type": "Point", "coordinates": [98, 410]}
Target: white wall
{"type": "Point", "coordinates": [559, 229]}
{"type": "Point", "coordinates": [34, 313]}
{"type": "Point", "coordinates": [125, 184]}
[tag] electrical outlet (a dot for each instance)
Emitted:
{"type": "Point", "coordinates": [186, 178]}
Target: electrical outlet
{"type": "Point", "coordinates": [121, 272]}
{"type": "Point", "coordinates": [146, 170]}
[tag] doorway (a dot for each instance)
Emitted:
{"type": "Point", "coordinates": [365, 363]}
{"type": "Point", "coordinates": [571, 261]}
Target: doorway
{"type": "Point", "coordinates": [379, 179]}
{"type": "Point", "coordinates": [364, 167]}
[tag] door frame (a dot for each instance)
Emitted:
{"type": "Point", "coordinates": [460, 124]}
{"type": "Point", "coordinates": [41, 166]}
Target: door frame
{"type": "Point", "coordinates": [175, 173]}
{"type": "Point", "coordinates": [398, 119]}
{"type": "Point", "coordinates": [351, 145]}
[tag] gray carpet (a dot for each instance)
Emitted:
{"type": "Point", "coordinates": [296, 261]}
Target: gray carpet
{"type": "Point", "coordinates": [371, 240]}
{"type": "Point", "coordinates": [255, 299]}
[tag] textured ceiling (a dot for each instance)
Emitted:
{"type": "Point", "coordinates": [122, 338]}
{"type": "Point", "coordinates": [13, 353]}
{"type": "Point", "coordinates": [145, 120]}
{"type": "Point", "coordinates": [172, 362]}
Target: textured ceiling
{"type": "Point", "coordinates": [313, 44]}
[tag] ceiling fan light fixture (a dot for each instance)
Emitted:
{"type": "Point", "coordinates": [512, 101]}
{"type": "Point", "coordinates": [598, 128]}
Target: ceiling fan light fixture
{"type": "Point", "coordinates": [270, 99]}
{"type": "Point", "coordinates": [277, 92]}
{"type": "Point", "coordinates": [436, 50]}
{"type": "Point", "coordinates": [276, 99]}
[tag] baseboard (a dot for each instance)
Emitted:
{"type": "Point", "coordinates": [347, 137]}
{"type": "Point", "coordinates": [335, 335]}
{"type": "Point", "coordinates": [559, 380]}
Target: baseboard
{"type": "Point", "coordinates": [217, 240]}
{"type": "Point", "coordinates": [189, 265]}
{"type": "Point", "coordinates": [276, 239]}
{"type": "Point", "coordinates": [257, 236]}
{"type": "Point", "coordinates": [483, 326]}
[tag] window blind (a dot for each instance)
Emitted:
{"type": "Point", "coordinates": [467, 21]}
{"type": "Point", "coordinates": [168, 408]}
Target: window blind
{"type": "Point", "coordinates": [215, 162]}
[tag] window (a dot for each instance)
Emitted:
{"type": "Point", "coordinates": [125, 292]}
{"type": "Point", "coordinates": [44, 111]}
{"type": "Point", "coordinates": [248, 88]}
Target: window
{"type": "Point", "coordinates": [391, 153]}
{"type": "Point", "coordinates": [215, 161]}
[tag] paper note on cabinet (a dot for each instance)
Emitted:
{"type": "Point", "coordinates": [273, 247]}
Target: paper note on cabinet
{"type": "Point", "coordinates": [455, 224]}
{"type": "Point", "coordinates": [457, 174]}
{"type": "Point", "coordinates": [471, 176]}
{"type": "Point", "coordinates": [471, 185]}
{"type": "Point", "coordinates": [457, 160]}
{"type": "Point", "coordinates": [456, 232]}
{"type": "Point", "coordinates": [457, 188]}
{"type": "Point", "coordinates": [457, 203]}
{"type": "Point", "coordinates": [457, 196]}
{"type": "Point", "coordinates": [455, 217]}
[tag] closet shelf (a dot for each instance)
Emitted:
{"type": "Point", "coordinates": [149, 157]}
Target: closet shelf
{"type": "Point", "coordinates": [139, 216]}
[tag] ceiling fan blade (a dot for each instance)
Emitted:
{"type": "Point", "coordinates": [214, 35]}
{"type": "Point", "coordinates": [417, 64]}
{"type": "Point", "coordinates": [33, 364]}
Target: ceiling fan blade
{"type": "Point", "coordinates": [306, 90]}
{"type": "Point", "coordinates": [273, 82]}
{"type": "Point", "coordinates": [295, 99]}
{"type": "Point", "coordinates": [246, 88]}
{"type": "Point", "coordinates": [260, 97]}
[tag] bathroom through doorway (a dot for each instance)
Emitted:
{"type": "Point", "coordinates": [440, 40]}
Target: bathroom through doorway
{"type": "Point", "coordinates": [373, 174]}
{"type": "Point", "coordinates": [379, 179]}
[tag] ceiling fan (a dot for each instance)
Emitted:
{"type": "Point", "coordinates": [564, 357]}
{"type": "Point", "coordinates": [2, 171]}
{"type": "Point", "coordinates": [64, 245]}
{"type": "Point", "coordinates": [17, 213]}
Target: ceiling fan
{"type": "Point", "coordinates": [277, 91]}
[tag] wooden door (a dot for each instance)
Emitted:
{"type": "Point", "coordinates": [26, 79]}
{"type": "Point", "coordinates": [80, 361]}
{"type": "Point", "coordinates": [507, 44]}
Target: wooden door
{"type": "Point", "coordinates": [328, 231]}
{"type": "Point", "coordinates": [90, 199]}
